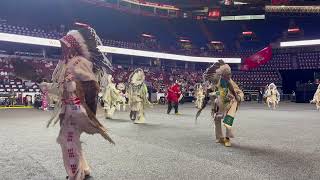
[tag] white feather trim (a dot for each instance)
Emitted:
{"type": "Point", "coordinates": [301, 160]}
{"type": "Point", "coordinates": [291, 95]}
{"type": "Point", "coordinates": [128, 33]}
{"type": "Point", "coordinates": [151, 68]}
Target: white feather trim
{"type": "Point", "coordinates": [79, 38]}
{"type": "Point", "coordinates": [137, 77]}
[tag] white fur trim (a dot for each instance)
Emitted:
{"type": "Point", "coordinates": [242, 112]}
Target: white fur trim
{"type": "Point", "coordinates": [274, 86]}
{"type": "Point", "coordinates": [225, 68]}
{"type": "Point", "coordinates": [109, 78]}
{"type": "Point", "coordinates": [138, 77]}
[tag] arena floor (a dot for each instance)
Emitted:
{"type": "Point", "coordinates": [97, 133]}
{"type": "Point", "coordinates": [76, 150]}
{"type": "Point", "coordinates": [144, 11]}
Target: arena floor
{"type": "Point", "coordinates": [281, 144]}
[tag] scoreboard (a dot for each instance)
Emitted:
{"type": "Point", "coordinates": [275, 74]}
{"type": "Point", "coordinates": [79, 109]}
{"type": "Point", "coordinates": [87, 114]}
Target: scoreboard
{"type": "Point", "coordinates": [214, 14]}
{"type": "Point", "coordinates": [226, 13]}
{"type": "Point", "coordinates": [209, 14]}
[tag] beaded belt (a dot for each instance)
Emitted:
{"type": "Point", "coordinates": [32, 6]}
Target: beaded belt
{"type": "Point", "coordinates": [72, 101]}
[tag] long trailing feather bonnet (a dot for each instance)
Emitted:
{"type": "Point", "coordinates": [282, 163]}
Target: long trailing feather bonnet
{"type": "Point", "coordinates": [81, 42]}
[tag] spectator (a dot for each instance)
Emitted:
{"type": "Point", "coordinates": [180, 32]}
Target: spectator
{"type": "Point", "coordinates": [174, 95]}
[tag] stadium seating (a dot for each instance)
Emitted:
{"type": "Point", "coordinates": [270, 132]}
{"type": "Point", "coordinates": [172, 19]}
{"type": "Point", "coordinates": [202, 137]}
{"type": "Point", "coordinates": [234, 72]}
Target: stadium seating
{"type": "Point", "coordinates": [7, 28]}
{"type": "Point", "coordinates": [156, 77]}
{"type": "Point", "coordinates": [309, 60]}
{"type": "Point", "coordinates": [278, 62]}
{"type": "Point", "coordinates": [160, 78]}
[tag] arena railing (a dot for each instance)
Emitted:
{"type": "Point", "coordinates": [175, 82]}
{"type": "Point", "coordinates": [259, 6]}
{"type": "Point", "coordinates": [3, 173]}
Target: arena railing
{"type": "Point", "coordinates": [114, 50]}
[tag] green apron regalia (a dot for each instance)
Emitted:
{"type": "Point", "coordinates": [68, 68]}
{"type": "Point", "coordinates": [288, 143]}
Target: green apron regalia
{"type": "Point", "coordinates": [223, 90]}
{"type": "Point", "coordinates": [225, 97]}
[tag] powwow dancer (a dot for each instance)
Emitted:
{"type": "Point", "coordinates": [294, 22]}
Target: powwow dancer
{"type": "Point", "coordinates": [138, 96]}
{"type": "Point", "coordinates": [225, 98]}
{"type": "Point", "coordinates": [123, 97]}
{"type": "Point", "coordinates": [273, 96]}
{"type": "Point", "coordinates": [44, 86]}
{"type": "Point", "coordinates": [78, 89]}
{"type": "Point", "coordinates": [199, 95]}
{"type": "Point", "coordinates": [316, 98]}
{"type": "Point", "coordinates": [110, 97]}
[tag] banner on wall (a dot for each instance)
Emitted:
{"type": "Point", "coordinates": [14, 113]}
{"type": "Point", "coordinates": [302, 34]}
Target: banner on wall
{"type": "Point", "coordinates": [258, 59]}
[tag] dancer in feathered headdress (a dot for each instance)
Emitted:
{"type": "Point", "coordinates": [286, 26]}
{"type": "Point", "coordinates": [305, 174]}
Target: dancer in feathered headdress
{"type": "Point", "coordinates": [138, 96]}
{"type": "Point", "coordinates": [225, 97]}
{"type": "Point", "coordinates": [272, 95]}
{"type": "Point", "coordinates": [316, 98]}
{"type": "Point", "coordinates": [122, 101]}
{"type": "Point", "coordinates": [76, 78]}
{"type": "Point", "coordinates": [111, 96]}
{"type": "Point", "coordinates": [199, 95]}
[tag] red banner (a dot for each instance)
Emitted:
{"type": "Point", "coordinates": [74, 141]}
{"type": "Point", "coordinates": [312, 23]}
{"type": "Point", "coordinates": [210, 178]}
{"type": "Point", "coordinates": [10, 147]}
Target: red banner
{"type": "Point", "coordinates": [258, 59]}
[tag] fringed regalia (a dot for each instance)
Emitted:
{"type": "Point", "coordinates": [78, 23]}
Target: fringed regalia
{"type": "Point", "coordinates": [45, 95]}
{"type": "Point", "coordinates": [316, 98]}
{"type": "Point", "coordinates": [111, 96]}
{"type": "Point", "coordinates": [272, 95]}
{"type": "Point", "coordinates": [199, 95]}
{"type": "Point", "coordinates": [225, 97]}
{"type": "Point", "coordinates": [138, 96]}
{"type": "Point", "coordinates": [122, 101]}
{"type": "Point", "coordinates": [76, 81]}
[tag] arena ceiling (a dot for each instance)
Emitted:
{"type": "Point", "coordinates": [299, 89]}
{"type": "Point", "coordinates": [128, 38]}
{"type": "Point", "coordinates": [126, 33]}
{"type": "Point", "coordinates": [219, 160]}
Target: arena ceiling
{"type": "Point", "coordinates": [184, 3]}
{"type": "Point", "coordinates": [208, 3]}
{"type": "Point", "coordinates": [190, 5]}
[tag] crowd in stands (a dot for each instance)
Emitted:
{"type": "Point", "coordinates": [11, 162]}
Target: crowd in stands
{"type": "Point", "coordinates": [157, 78]}
{"type": "Point", "coordinates": [161, 78]}
{"type": "Point", "coordinates": [44, 67]}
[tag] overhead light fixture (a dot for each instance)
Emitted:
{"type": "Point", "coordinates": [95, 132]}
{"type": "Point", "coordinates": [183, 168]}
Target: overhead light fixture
{"type": "Point", "coordinates": [293, 30]}
{"type": "Point", "coordinates": [247, 33]}
{"type": "Point", "coordinates": [242, 17]}
{"type": "Point", "coordinates": [300, 43]}
{"type": "Point", "coordinates": [147, 35]}
{"type": "Point", "coordinates": [185, 40]}
{"type": "Point", "coordinates": [239, 3]}
{"type": "Point", "coordinates": [216, 42]}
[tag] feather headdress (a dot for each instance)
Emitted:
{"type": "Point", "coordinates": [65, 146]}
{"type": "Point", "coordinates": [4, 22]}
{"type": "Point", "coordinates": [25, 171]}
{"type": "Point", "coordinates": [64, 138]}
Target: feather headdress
{"type": "Point", "coordinates": [85, 41]}
{"type": "Point", "coordinates": [137, 77]}
{"type": "Point", "coordinates": [214, 72]}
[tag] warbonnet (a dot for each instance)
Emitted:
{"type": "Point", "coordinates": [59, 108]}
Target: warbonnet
{"type": "Point", "coordinates": [76, 78]}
